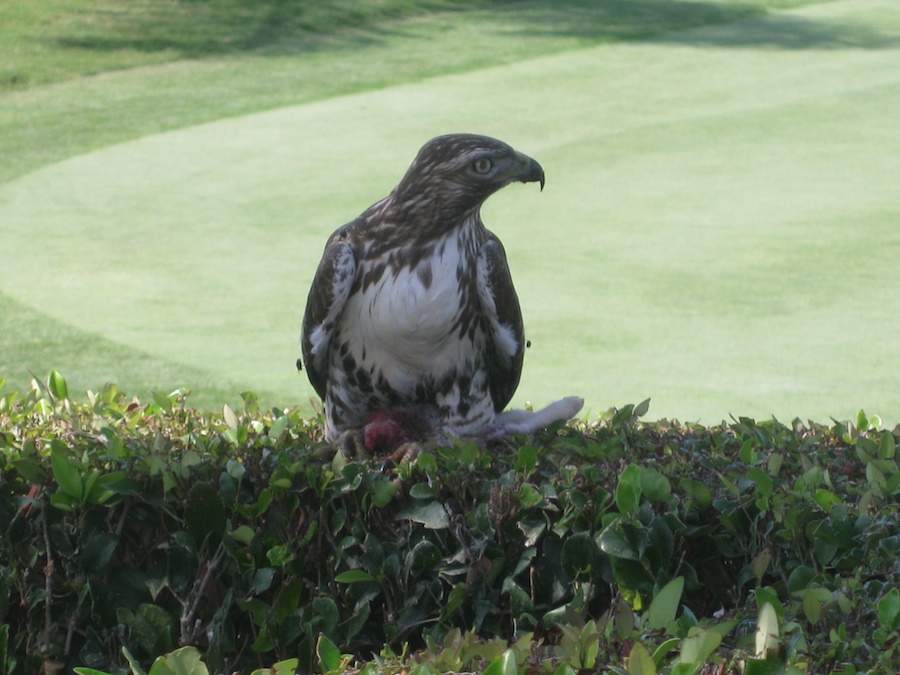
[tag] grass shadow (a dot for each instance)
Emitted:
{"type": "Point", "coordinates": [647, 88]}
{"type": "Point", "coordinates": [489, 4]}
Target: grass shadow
{"type": "Point", "coordinates": [608, 20]}
{"type": "Point", "coordinates": [790, 33]}
{"type": "Point", "coordinates": [197, 29]}
{"type": "Point", "coordinates": [673, 21]}
{"type": "Point", "coordinates": [219, 27]}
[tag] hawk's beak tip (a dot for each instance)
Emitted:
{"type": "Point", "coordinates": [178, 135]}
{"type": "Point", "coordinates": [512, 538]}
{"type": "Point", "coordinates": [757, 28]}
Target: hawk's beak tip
{"type": "Point", "coordinates": [536, 173]}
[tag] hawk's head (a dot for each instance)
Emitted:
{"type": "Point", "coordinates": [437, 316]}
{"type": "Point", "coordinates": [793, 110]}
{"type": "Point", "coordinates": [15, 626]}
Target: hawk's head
{"type": "Point", "coordinates": [452, 175]}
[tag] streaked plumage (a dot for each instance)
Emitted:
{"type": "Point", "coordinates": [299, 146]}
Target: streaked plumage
{"type": "Point", "coordinates": [412, 304]}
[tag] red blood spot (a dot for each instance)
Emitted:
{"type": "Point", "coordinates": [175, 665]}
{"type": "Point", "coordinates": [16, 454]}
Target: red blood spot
{"type": "Point", "coordinates": [387, 430]}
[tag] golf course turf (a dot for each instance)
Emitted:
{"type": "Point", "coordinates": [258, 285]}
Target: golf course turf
{"type": "Point", "coordinates": [720, 230]}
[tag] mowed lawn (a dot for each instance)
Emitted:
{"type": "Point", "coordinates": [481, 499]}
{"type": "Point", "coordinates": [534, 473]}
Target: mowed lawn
{"type": "Point", "coordinates": [719, 232]}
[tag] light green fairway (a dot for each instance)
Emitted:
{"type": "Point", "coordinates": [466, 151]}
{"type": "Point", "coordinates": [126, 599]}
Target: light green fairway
{"type": "Point", "coordinates": [720, 229]}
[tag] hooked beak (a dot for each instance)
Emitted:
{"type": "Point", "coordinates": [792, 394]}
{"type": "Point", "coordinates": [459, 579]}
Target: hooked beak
{"type": "Point", "coordinates": [529, 170]}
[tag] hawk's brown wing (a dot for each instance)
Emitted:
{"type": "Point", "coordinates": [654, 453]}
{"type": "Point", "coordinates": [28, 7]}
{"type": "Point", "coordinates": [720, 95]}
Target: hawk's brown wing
{"type": "Point", "coordinates": [324, 305]}
{"type": "Point", "coordinates": [501, 307]}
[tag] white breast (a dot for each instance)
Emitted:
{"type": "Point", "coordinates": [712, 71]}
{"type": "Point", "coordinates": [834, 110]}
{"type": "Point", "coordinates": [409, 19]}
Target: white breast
{"type": "Point", "coordinates": [406, 323]}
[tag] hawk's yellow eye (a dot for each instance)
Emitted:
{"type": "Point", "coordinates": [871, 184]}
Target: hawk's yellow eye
{"type": "Point", "coordinates": [482, 165]}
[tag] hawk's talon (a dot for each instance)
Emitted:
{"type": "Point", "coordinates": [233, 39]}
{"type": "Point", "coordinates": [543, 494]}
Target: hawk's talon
{"type": "Point", "coordinates": [351, 445]}
{"type": "Point", "coordinates": [406, 452]}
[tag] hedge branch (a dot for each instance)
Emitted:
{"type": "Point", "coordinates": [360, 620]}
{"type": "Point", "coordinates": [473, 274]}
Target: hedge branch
{"type": "Point", "coordinates": [192, 603]}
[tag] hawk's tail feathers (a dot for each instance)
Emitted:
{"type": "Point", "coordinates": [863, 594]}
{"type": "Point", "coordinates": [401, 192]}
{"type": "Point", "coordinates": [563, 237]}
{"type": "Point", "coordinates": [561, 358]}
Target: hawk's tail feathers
{"type": "Point", "coordinates": [527, 421]}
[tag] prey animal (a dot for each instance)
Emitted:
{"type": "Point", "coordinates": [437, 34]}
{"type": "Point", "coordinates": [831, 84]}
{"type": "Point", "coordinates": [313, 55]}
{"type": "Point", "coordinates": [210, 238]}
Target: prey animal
{"type": "Point", "coordinates": [412, 310]}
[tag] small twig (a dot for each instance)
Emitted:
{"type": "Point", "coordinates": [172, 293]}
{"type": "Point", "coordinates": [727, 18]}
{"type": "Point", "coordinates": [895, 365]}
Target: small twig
{"type": "Point", "coordinates": [193, 602]}
{"type": "Point", "coordinates": [73, 621]}
{"type": "Point", "coordinates": [120, 526]}
{"type": "Point", "coordinates": [48, 583]}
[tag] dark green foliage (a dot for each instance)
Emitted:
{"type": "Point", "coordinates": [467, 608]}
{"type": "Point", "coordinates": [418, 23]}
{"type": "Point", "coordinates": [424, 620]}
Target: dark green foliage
{"type": "Point", "coordinates": [133, 529]}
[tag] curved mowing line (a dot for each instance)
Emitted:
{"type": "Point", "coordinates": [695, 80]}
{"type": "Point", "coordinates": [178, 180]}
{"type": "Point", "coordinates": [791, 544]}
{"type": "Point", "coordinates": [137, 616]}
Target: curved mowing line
{"type": "Point", "coordinates": [710, 210]}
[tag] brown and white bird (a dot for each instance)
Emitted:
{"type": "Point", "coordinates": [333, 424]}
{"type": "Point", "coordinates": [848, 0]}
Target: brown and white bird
{"type": "Point", "coordinates": [413, 307]}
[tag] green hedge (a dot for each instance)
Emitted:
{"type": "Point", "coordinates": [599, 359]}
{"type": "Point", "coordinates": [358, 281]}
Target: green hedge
{"type": "Point", "coordinates": [133, 529]}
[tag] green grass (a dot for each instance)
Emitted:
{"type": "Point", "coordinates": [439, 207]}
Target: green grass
{"type": "Point", "coordinates": [40, 44]}
{"type": "Point", "coordinates": [719, 229]}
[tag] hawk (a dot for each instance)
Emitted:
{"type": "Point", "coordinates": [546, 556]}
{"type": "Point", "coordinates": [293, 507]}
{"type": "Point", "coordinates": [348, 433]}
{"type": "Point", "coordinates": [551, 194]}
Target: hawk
{"type": "Point", "coordinates": [412, 307]}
